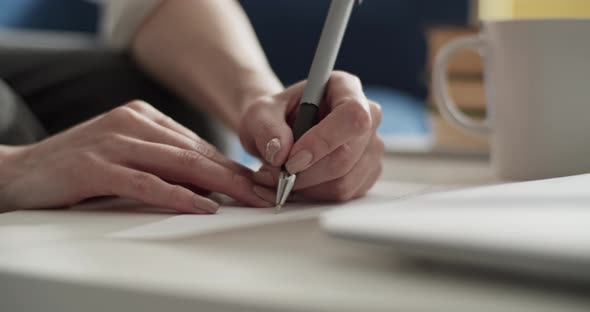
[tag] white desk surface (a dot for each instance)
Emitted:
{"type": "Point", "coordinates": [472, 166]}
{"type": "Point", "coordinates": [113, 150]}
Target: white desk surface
{"type": "Point", "coordinates": [65, 263]}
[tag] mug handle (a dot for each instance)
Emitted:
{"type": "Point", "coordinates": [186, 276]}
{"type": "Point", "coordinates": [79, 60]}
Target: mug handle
{"type": "Point", "coordinates": [445, 103]}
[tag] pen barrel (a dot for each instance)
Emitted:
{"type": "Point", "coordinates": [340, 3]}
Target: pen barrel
{"type": "Point", "coordinates": [307, 117]}
{"type": "Point", "coordinates": [327, 50]}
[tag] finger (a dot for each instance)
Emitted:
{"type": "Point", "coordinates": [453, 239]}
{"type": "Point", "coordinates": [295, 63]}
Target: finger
{"type": "Point", "coordinates": [195, 189]}
{"type": "Point", "coordinates": [146, 129]}
{"type": "Point", "coordinates": [267, 176]}
{"type": "Point", "coordinates": [150, 189]}
{"type": "Point", "coordinates": [186, 166]}
{"type": "Point", "coordinates": [348, 186]}
{"type": "Point", "coordinates": [341, 161]}
{"type": "Point", "coordinates": [196, 142]}
{"type": "Point", "coordinates": [349, 118]}
{"type": "Point", "coordinates": [265, 131]}
{"type": "Point", "coordinates": [369, 183]}
{"type": "Point", "coordinates": [335, 165]}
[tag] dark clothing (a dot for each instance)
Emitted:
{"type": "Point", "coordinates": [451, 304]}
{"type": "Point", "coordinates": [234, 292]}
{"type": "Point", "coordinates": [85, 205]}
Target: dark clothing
{"type": "Point", "coordinates": [64, 88]}
{"type": "Point", "coordinates": [17, 124]}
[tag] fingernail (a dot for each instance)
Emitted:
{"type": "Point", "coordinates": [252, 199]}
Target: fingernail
{"type": "Point", "coordinates": [299, 162]}
{"type": "Point", "coordinates": [264, 193]}
{"type": "Point", "coordinates": [272, 148]}
{"type": "Point", "coordinates": [206, 204]}
{"type": "Point", "coordinates": [263, 177]}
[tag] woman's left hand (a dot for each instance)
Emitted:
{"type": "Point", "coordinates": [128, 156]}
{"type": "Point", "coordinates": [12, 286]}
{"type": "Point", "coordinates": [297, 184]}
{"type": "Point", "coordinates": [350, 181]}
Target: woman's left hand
{"type": "Point", "coordinates": [337, 160]}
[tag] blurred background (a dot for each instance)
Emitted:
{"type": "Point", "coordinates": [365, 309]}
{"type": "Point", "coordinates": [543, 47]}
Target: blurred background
{"type": "Point", "coordinates": [390, 44]}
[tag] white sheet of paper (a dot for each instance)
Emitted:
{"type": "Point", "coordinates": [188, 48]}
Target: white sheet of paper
{"type": "Point", "coordinates": [236, 217]}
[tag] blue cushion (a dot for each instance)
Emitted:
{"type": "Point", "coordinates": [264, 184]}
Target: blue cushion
{"type": "Point", "coordinates": [402, 114]}
{"type": "Point", "coordinates": [70, 15]}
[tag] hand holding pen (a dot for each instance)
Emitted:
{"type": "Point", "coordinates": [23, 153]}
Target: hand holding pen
{"type": "Point", "coordinates": [337, 159]}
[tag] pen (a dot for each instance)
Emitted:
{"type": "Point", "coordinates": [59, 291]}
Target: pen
{"type": "Point", "coordinates": [319, 74]}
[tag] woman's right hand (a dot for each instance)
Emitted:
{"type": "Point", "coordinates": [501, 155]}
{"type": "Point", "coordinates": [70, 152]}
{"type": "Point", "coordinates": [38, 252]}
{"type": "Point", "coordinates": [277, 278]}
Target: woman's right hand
{"type": "Point", "coordinates": [133, 151]}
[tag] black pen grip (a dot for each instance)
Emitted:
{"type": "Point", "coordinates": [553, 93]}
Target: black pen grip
{"type": "Point", "coordinates": [306, 119]}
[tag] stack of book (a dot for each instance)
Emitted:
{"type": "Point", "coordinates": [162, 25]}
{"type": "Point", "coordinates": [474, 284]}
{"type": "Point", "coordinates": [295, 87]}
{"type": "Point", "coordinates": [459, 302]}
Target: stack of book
{"type": "Point", "coordinates": [466, 87]}
{"type": "Point", "coordinates": [522, 9]}
{"type": "Point", "coordinates": [408, 127]}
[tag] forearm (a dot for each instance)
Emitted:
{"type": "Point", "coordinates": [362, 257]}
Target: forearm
{"type": "Point", "coordinates": [3, 152]}
{"type": "Point", "coordinates": [6, 151]}
{"type": "Point", "coordinates": [206, 50]}
{"type": "Point", "coordinates": [7, 155]}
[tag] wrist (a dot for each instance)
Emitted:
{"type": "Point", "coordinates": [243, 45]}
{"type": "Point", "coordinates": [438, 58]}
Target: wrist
{"type": "Point", "coordinates": [233, 93]}
{"type": "Point", "coordinates": [256, 86]}
{"type": "Point", "coordinates": [10, 157]}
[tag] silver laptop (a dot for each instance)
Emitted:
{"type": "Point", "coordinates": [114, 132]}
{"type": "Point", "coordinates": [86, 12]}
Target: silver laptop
{"type": "Point", "coordinates": [540, 227]}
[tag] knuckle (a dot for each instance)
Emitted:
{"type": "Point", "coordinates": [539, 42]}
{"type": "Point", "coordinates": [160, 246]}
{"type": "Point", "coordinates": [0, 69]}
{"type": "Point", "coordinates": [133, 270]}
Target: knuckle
{"type": "Point", "coordinates": [261, 124]}
{"type": "Point", "coordinates": [109, 138]}
{"type": "Point", "coordinates": [138, 105]}
{"type": "Point", "coordinates": [162, 119]}
{"type": "Point", "coordinates": [341, 161]}
{"type": "Point", "coordinates": [339, 75]}
{"type": "Point", "coordinates": [124, 115]}
{"type": "Point", "coordinates": [343, 190]}
{"type": "Point", "coordinates": [379, 172]}
{"type": "Point", "coordinates": [204, 149]}
{"type": "Point", "coordinates": [379, 146]}
{"type": "Point", "coordinates": [323, 143]}
{"type": "Point", "coordinates": [140, 182]}
{"type": "Point", "coordinates": [88, 157]}
{"type": "Point", "coordinates": [239, 185]}
{"type": "Point", "coordinates": [175, 193]}
{"type": "Point", "coordinates": [346, 77]}
{"type": "Point", "coordinates": [189, 158]}
{"type": "Point", "coordinates": [262, 104]}
{"type": "Point", "coordinates": [239, 180]}
{"type": "Point", "coordinates": [121, 111]}
{"type": "Point", "coordinates": [85, 161]}
{"type": "Point", "coordinates": [253, 109]}
{"type": "Point", "coordinates": [361, 193]}
{"type": "Point", "coordinates": [372, 181]}
{"type": "Point", "coordinates": [360, 118]}
{"type": "Point", "coordinates": [377, 112]}
{"type": "Point", "coordinates": [355, 79]}
{"type": "Point", "coordinates": [111, 142]}
{"type": "Point", "coordinates": [267, 128]}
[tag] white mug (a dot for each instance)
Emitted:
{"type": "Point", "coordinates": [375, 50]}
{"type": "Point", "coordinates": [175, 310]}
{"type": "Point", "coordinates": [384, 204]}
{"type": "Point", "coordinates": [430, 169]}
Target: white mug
{"type": "Point", "coordinates": [537, 84]}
